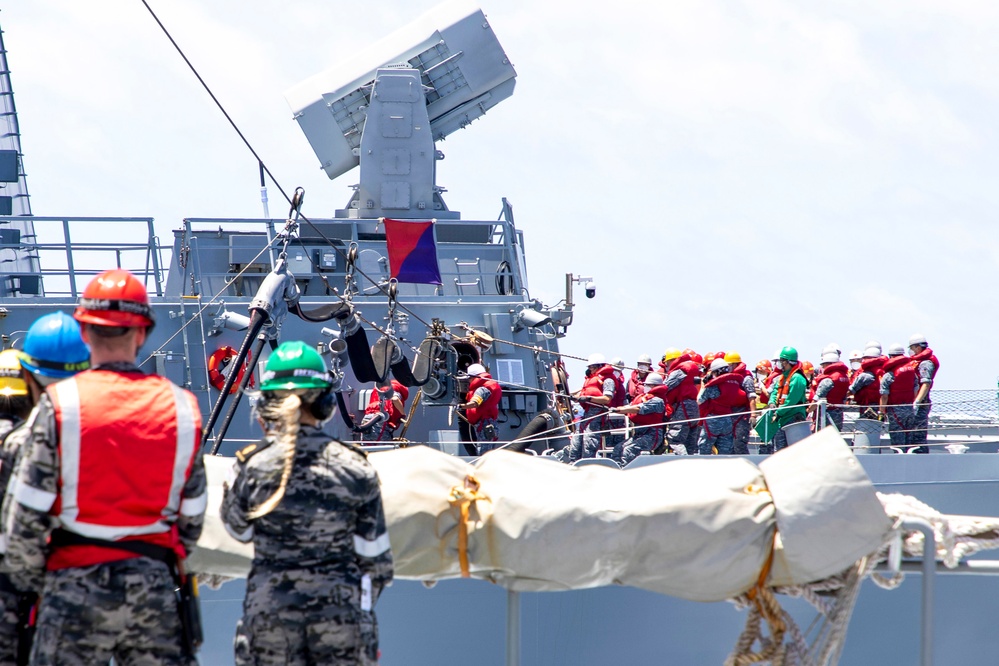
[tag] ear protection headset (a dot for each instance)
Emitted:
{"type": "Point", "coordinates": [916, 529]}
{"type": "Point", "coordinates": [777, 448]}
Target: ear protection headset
{"type": "Point", "coordinates": [323, 406]}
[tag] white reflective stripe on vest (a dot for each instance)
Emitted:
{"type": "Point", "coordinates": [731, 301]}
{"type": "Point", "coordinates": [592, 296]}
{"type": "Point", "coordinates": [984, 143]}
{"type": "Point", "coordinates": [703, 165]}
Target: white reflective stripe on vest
{"type": "Point", "coordinates": [69, 408]}
{"type": "Point", "coordinates": [194, 506]}
{"type": "Point", "coordinates": [33, 498]}
{"type": "Point", "coordinates": [366, 548]}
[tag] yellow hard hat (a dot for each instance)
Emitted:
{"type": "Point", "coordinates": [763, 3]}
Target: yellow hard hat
{"type": "Point", "coordinates": [11, 381]}
{"type": "Point", "coordinates": [733, 357]}
{"type": "Point", "coordinates": [671, 354]}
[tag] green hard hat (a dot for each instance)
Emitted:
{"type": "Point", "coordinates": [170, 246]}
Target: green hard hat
{"type": "Point", "coordinates": [295, 365]}
{"type": "Point", "coordinates": [789, 354]}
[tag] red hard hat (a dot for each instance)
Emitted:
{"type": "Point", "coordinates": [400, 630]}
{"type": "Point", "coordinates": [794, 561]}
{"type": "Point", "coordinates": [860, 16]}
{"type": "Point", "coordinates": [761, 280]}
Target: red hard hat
{"type": "Point", "coordinates": [710, 356]}
{"type": "Point", "coordinates": [115, 298]}
{"type": "Point", "coordinates": [696, 358]}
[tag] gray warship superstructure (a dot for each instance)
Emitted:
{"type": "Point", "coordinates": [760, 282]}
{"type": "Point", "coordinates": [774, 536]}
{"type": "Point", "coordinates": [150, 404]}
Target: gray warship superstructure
{"type": "Point", "coordinates": [223, 287]}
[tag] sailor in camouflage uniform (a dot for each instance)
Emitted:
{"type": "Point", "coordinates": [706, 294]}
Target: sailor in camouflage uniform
{"type": "Point", "coordinates": [312, 507]}
{"type": "Point", "coordinates": [112, 459]}
{"type": "Point", "coordinates": [14, 407]}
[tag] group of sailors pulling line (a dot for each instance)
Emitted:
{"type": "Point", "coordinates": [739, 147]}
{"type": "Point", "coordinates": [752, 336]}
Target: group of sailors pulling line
{"type": "Point", "coordinates": [704, 405]}
{"type": "Point", "coordinates": [106, 494]}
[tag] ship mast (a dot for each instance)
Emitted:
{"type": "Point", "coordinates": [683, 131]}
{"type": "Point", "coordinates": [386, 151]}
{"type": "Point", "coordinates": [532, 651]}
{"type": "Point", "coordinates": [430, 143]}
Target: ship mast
{"type": "Point", "coordinates": [17, 236]}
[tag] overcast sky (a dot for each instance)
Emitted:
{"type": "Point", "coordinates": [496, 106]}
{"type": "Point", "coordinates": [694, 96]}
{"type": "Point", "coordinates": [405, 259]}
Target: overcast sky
{"type": "Point", "coordinates": [733, 175]}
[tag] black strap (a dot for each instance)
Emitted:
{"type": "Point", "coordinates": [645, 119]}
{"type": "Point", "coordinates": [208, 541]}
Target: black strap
{"type": "Point", "coordinates": [61, 538]}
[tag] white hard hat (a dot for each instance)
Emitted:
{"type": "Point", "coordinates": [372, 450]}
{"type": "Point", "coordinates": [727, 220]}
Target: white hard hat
{"type": "Point", "coordinates": [829, 357]}
{"type": "Point", "coordinates": [875, 344]}
{"type": "Point", "coordinates": [872, 352]}
{"type": "Point", "coordinates": [596, 359]}
{"type": "Point", "coordinates": [654, 379]}
{"type": "Point", "coordinates": [475, 370]}
{"type": "Point", "coordinates": [645, 358]}
{"type": "Point", "coordinates": [896, 349]}
{"type": "Point", "coordinates": [617, 362]}
{"type": "Point", "coordinates": [718, 364]}
{"type": "Point", "coordinates": [832, 347]}
{"type": "Point", "coordinates": [917, 339]}
{"type": "Point", "coordinates": [856, 355]}
{"type": "Point", "coordinates": [775, 356]}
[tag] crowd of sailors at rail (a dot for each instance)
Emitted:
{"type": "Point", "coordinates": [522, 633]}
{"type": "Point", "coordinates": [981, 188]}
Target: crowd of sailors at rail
{"type": "Point", "coordinates": [693, 404]}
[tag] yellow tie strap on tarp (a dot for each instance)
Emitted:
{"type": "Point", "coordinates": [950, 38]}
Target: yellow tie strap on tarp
{"type": "Point", "coordinates": [462, 497]}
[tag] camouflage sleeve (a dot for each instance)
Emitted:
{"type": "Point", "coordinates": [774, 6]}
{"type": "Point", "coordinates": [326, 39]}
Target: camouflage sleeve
{"type": "Point", "coordinates": [652, 406]}
{"type": "Point", "coordinates": [674, 379]}
{"type": "Point", "coordinates": [194, 501]}
{"type": "Point", "coordinates": [709, 393]}
{"type": "Point", "coordinates": [34, 493]}
{"type": "Point", "coordinates": [234, 505]}
{"type": "Point", "coordinates": [822, 390]}
{"type": "Point", "coordinates": [14, 445]}
{"type": "Point", "coordinates": [609, 388]}
{"type": "Point", "coordinates": [926, 371]}
{"type": "Point", "coordinates": [862, 380]}
{"type": "Point", "coordinates": [371, 539]}
{"type": "Point", "coordinates": [749, 386]}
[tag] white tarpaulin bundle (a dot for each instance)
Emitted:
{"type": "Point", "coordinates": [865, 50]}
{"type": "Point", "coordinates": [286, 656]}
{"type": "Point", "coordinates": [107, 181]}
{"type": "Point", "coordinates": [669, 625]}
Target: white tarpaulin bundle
{"type": "Point", "coordinates": [699, 529]}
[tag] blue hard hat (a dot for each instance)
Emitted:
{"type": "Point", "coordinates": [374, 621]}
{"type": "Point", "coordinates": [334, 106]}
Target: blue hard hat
{"type": "Point", "coordinates": [53, 347]}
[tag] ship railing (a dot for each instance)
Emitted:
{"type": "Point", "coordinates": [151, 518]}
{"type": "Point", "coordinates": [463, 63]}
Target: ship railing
{"type": "Point", "coordinates": [66, 252]}
{"type": "Point", "coordinates": [227, 255]}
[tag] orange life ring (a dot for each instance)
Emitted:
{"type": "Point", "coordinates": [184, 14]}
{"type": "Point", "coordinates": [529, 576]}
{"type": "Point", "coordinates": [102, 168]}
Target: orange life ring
{"type": "Point", "coordinates": [219, 361]}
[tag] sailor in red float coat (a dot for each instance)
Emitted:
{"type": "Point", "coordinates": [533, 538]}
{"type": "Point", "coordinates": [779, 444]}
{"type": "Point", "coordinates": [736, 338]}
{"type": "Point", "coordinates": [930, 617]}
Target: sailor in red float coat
{"type": "Point", "coordinates": [384, 413]}
{"type": "Point", "coordinates": [745, 414]}
{"type": "Point", "coordinates": [721, 396]}
{"type": "Point", "coordinates": [598, 393]}
{"type": "Point", "coordinates": [114, 457]}
{"type": "Point", "coordinates": [636, 383]}
{"type": "Point", "coordinates": [898, 391]}
{"type": "Point", "coordinates": [866, 385]}
{"type": "Point", "coordinates": [648, 413]}
{"type": "Point", "coordinates": [682, 399]}
{"type": "Point", "coordinates": [482, 407]}
{"type": "Point", "coordinates": [832, 386]}
{"type": "Point", "coordinates": [926, 370]}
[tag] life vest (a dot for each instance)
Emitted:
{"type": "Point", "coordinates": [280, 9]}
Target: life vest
{"type": "Point", "coordinates": [378, 404]}
{"type": "Point", "coordinates": [687, 390]}
{"type": "Point", "coordinates": [593, 386]}
{"type": "Point", "coordinates": [127, 442]}
{"type": "Point", "coordinates": [654, 418]}
{"type": "Point", "coordinates": [769, 381]}
{"type": "Point", "coordinates": [488, 409]}
{"type": "Point", "coordinates": [927, 355]}
{"type": "Point", "coordinates": [837, 372]}
{"type": "Point", "coordinates": [620, 391]}
{"type": "Point", "coordinates": [784, 383]}
{"type": "Point", "coordinates": [741, 370]}
{"type": "Point", "coordinates": [903, 389]}
{"type": "Point", "coordinates": [636, 387]}
{"type": "Point", "coordinates": [871, 394]}
{"type": "Point", "coordinates": [732, 397]}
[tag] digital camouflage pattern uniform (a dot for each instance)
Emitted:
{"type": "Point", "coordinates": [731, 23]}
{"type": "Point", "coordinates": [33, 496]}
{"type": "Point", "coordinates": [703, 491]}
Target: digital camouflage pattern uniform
{"type": "Point", "coordinates": [8, 593]}
{"type": "Point", "coordinates": [126, 609]}
{"type": "Point", "coordinates": [644, 438]}
{"type": "Point", "coordinates": [685, 429]}
{"type": "Point", "coordinates": [304, 601]}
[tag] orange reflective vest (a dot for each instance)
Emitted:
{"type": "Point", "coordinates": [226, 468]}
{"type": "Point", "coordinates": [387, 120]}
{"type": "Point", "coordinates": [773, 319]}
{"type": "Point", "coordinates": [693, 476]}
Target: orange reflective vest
{"type": "Point", "coordinates": [127, 445]}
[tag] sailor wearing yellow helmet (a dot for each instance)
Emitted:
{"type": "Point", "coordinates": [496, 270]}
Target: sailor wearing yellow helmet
{"type": "Point", "coordinates": [742, 422]}
{"type": "Point", "coordinates": [682, 373]}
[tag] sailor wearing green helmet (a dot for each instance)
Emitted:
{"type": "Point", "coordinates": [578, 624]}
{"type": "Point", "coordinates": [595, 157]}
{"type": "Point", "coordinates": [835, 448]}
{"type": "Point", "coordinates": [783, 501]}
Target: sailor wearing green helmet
{"type": "Point", "coordinates": [787, 399]}
{"type": "Point", "coordinates": [312, 507]}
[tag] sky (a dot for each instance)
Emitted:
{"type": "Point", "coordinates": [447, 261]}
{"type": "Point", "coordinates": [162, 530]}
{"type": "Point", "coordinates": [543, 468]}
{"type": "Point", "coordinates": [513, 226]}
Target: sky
{"type": "Point", "coordinates": [733, 175]}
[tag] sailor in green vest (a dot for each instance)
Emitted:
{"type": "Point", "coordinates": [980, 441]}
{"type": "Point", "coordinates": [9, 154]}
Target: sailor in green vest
{"type": "Point", "coordinates": [788, 395]}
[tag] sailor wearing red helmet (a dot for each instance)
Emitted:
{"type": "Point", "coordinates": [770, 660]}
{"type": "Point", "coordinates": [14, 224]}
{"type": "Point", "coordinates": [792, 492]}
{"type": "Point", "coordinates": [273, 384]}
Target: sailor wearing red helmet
{"type": "Point", "coordinates": [110, 496]}
{"type": "Point", "coordinates": [683, 371]}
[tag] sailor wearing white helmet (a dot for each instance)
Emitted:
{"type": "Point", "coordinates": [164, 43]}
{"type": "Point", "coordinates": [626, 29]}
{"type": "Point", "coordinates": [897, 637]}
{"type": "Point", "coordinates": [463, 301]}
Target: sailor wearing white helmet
{"type": "Point", "coordinates": [832, 386]}
{"type": "Point", "coordinates": [898, 392]}
{"type": "Point", "coordinates": [856, 358]}
{"type": "Point", "coordinates": [865, 387]}
{"type": "Point", "coordinates": [598, 392]}
{"type": "Point", "coordinates": [721, 395]}
{"type": "Point", "coordinates": [926, 370]}
{"type": "Point", "coordinates": [482, 406]}
{"type": "Point", "coordinates": [832, 348]}
{"type": "Point", "coordinates": [636, 383]}
{"type": "Point", "coordinates": [616, 422]}
{"type": "Point", "coordinates": [648, 413]}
